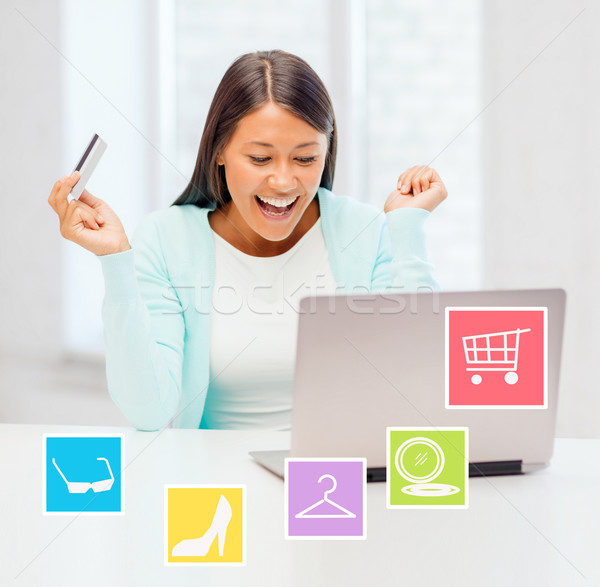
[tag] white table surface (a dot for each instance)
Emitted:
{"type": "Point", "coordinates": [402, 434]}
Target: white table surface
{"type": "Point", "coordinates": [536, 529]}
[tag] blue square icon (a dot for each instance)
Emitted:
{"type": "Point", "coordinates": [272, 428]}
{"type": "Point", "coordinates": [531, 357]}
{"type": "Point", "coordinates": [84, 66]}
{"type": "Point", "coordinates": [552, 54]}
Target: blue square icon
{"type": "Point", "coordinates": [82, 474]}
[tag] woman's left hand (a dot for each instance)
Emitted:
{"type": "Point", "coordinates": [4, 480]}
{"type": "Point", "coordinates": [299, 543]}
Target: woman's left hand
{"type": "Point", "coordinates": [418, 187]}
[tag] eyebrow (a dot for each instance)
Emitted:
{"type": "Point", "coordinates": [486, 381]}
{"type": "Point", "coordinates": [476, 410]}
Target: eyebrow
{"type": "Point", "coordinates": [269, 144]}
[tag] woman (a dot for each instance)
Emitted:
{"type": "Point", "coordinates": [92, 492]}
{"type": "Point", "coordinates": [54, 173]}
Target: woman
{"type": "Point", "coordinates": [200, 314]}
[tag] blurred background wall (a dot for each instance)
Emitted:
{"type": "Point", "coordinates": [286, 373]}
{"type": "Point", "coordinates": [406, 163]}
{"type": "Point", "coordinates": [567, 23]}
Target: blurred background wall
{"type": "Point", "coordinates": [498, 97]}
{"type": "Point", "coordinates": [541, 143]}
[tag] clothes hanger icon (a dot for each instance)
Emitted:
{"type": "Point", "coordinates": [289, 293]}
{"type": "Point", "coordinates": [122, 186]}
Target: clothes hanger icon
{"type": "Point", "coordinates": [346, 513]}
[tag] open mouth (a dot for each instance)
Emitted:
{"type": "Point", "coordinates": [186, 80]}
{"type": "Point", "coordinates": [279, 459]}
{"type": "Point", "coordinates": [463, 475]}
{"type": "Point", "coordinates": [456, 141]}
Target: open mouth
{"type": "Point", "coordinates": [276, 207]}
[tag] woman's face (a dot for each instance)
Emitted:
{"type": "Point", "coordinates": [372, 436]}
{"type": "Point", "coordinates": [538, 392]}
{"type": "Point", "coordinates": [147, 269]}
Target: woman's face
{"type": "Point", "coordinates": [273, 166]}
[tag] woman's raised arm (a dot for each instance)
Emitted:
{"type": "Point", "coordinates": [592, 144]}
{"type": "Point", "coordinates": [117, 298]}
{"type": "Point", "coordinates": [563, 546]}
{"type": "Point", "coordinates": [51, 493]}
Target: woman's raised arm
{"type": "Point", "coordinates": [143, 327]}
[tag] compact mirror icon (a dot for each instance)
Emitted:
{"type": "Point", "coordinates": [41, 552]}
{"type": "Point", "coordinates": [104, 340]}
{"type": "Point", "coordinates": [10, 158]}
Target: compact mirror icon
{"type": "Point", "coordinates": [83, 487]}
{"type": "Point", "coordinates": [420, 460]}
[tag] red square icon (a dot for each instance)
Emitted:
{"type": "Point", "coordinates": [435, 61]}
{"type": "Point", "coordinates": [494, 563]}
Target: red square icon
{"type": "Point", "coordinates": [496, 357]}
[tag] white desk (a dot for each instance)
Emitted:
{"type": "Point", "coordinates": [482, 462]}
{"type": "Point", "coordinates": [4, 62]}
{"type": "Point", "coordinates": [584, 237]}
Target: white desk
{"type": "Point", "coordinates": [537, 529]}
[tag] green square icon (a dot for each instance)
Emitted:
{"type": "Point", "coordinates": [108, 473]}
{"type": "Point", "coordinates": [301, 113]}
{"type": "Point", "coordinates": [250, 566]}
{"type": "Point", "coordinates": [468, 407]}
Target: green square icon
{"type": "Point", "coordinates": [427, 468]}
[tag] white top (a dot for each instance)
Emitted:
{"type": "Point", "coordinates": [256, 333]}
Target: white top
{"type": "Point", "coordinates": [253, 330]}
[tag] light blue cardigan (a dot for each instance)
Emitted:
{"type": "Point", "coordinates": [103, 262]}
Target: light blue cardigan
{"type": "Point", "coordinates": [158, 295]}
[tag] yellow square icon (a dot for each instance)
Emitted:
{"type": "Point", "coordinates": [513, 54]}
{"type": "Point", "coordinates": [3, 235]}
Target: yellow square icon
{"type": "Point", "coordinates": [205, 525]}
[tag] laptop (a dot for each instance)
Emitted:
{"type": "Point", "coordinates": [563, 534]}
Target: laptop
{"type": "Point", "coordinates": [371, 361]}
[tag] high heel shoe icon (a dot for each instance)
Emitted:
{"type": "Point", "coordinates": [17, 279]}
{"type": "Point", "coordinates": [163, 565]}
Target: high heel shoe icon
{"type": "Point", "coordinates": [201, 546]}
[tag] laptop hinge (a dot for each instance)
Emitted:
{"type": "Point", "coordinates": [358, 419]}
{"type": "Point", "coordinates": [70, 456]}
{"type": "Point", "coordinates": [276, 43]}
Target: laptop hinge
{"type": "Point", "coordinates": [375, 474]}
{"type": "Point", "coordinates": [495, 468]}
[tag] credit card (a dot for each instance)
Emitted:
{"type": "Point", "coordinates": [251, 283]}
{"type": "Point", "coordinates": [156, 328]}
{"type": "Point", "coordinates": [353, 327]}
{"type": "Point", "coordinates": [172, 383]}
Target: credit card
{"type": "Point", "coordinates": [90, 158]}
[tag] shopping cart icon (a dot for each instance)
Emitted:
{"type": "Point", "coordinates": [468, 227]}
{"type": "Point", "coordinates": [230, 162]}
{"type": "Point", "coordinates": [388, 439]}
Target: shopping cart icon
{"type": "Point", "coordinates": [497, 351]}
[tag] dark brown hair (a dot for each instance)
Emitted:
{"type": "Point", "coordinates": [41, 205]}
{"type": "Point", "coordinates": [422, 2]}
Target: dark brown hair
{"type": "Point", "coordinates": [251, 81]}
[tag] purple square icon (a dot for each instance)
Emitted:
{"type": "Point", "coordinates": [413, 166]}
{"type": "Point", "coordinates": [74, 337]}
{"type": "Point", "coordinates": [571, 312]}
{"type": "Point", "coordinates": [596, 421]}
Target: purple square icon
{"type": "Point", "coordinates": [325, 498]}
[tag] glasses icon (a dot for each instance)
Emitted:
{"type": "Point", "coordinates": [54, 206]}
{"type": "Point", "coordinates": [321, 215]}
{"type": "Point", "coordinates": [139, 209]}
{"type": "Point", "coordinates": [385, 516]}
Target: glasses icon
{"type": "Point", "coordinates": [96, 486]}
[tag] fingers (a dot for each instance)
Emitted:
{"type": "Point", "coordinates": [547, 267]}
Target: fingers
{"type": "Point", "coordinates": [89, 211]}
{"type": "Point", "coordinates": [420, 182]}
{"type": "Point", "coordinates": [78, 216]}
{"type": "Point", "coordinates": [58, 198]}
{"type": "Point", "coordinates": [402, 187]}
{"type": "Point", "coordinates": [89, 199]}
{"type": "Point", "coordinates": [418, 179]}
{"type": "Point", "coordinates": [55, 189]}
{"type": "Point", "coordinates": [94, 203]}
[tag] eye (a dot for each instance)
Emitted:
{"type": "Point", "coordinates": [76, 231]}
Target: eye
{"type": "Point", "coordinates": [306, 159]}
{"type": "Point", "coordinates": [259, 159]}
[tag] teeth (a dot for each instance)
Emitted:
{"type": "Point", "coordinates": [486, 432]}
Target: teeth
{"type": "Point", "coordinates": [279, 202]}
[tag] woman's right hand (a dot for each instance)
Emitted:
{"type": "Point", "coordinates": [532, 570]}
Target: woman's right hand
{"type": "Point", "coordinates": [89, 221]}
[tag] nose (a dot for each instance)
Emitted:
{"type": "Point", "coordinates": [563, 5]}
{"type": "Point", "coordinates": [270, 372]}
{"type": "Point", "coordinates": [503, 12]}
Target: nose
{"type": "Point", "coordinates": [282, 179]}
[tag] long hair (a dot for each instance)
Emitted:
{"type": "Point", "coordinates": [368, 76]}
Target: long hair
{"type": "Point", "coordinates": [251, 81]}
